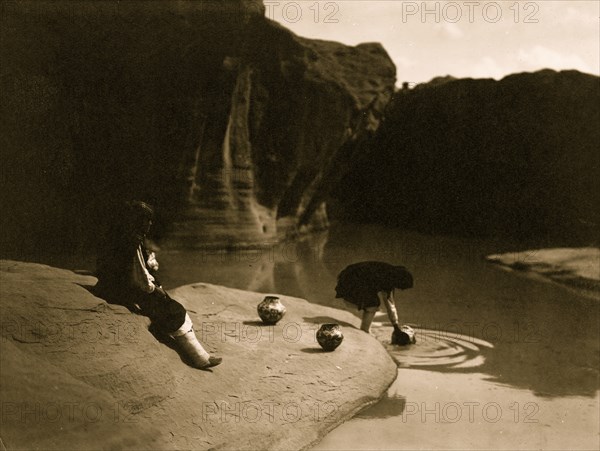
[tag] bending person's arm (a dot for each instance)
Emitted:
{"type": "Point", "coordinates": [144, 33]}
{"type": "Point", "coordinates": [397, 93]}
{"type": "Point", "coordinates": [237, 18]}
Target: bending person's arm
{"type": "Point", "coordinates": [390, 306]}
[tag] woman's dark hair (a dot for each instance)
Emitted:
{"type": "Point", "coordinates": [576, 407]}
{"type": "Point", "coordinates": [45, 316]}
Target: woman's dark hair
{"type": "Point", "coordinates": [125, 230]}
{"type": "Point", "coordinates": [134, 217]}
{"type": "Point", "coordinates": [138, 209]}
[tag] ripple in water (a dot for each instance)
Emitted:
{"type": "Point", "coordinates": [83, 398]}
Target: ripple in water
{"type": "Point", "coordinates": [435, 348]}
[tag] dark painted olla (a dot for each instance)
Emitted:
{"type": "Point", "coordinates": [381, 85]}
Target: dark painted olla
{"type": "Point", "coordinates": [330, 336]}
{"type": "Point", "coordinates": [271, 310]}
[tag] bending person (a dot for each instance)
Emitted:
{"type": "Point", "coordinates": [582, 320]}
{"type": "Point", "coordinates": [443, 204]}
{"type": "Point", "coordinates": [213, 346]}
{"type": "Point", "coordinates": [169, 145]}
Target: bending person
{"type": "Point", "coordinates": [370, 284]}
{"type": "Point", "coordinates": [387, 299]}
{"type": "Point", "coordinates": [126, 274]}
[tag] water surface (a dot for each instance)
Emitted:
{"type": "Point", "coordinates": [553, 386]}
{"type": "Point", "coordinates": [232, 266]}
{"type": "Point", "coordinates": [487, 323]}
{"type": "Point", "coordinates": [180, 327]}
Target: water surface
{"type": "Point", "coordinates": [470, 314]}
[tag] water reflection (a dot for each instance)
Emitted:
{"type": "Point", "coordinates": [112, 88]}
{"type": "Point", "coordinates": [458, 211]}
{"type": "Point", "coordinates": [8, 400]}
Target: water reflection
{"type": "Point", "coordinates": [391, 405]}
{"type": "Point", "coordinates": [525, 333]}
{"type": "Point", "coordinates": [436, 348]}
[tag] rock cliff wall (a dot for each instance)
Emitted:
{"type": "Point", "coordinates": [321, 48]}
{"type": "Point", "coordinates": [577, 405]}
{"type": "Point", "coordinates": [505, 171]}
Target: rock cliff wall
{"type": "Point", "coordinates": [516, 157]}
{"type": "Point", "coordinates": [232, 125]}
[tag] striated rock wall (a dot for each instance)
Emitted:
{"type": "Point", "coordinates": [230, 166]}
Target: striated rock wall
{"type": "Point", "coordinates": [516, 157]}
{"type": "Point", "coordinates": [226, 121]}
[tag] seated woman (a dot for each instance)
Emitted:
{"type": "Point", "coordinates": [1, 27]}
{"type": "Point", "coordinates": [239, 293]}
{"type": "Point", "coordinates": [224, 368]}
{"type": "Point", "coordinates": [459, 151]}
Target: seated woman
{"type": "Point", "coordinates": [126, 274]}
{"type": "Point", "coordinates": [370, 284]}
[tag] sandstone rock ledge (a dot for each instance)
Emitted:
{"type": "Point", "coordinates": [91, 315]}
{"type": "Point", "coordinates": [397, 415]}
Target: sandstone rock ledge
{"type": "Point", "coordinates": [78, 373]}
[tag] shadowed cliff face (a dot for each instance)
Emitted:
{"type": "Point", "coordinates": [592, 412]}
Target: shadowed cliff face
{"type": "Point", "coordinates": [233, 126]}
{"type": "Point", "coordinates": [516, 157]}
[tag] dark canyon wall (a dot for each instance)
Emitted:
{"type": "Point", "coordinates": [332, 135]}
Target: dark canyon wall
{"type": "Point", "coordinates": [232, 125]}
{"type": "Point", "coordinates": [517, 157]}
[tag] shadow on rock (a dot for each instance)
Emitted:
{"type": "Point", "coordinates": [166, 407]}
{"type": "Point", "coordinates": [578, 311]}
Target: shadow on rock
{"type": "Point", "coordinates": [313, 350]}
{"type": "Point", "coordinates": [326, 320]}
{"type": "Point", "coordinates": [256, 323]}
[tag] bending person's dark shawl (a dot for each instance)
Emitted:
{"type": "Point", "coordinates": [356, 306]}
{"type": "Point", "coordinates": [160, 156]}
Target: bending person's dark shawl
{"type": "Point", "coordinates": [360, 282]}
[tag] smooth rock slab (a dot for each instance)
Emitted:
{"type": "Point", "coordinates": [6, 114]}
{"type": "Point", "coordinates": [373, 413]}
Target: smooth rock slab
{"type": "Point", "coordinates": [78, 373]}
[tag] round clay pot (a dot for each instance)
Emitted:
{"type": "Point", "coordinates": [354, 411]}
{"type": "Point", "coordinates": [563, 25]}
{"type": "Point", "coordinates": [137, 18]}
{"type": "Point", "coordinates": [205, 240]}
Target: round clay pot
{"type": "Point", "coordinates": [271, 310]}
{"type": "Point", "coordinates": [406, 336]}
{"type": "Point", "coordinates": [330, 336]}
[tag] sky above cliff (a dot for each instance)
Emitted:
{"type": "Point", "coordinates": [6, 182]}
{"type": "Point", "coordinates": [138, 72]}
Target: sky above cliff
{"type": "Point", "coordinates": [476, 39]}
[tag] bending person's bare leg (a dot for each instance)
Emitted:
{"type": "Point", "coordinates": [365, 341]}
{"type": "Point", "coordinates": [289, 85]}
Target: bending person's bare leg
{"type": "Point", "coordinates": [367, 318]}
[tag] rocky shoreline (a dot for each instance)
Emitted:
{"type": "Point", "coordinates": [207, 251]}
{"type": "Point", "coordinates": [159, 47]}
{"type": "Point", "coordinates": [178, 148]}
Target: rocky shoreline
{"type": "Point", "coordinates": [577, 268]}
{"type": "Point", "coordinates": [79, 373]}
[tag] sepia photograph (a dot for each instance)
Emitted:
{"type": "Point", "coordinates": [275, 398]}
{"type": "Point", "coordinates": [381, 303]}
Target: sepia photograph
{"type": "Point", "coordinates": [299, 225]}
